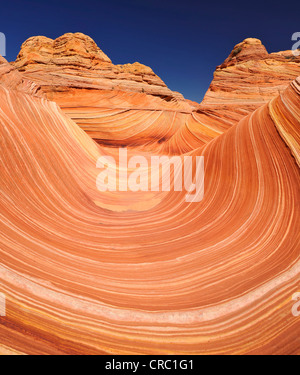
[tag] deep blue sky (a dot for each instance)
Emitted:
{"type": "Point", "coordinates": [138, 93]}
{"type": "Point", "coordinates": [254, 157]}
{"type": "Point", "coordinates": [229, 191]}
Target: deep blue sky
{"type": "Point", "coordinates": [182, 41]}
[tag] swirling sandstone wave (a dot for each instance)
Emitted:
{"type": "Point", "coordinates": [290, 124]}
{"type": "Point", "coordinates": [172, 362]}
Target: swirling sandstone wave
{"type": "Point", "coordinates": [129, 105]}
{"type": "Point", "coordinates": [106, 99]}
{"type": "Point", "coordinates": [89, 272]}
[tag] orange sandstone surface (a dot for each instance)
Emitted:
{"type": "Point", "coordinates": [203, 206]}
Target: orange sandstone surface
{"type": "Point", "coordinates": [247, 79]}
{"type": "Point", "coordinates": [129, 105]}
{"type": "Point", "coordinates": [115, 104]}
{"type": "Point", "coordinates": [90, 272]}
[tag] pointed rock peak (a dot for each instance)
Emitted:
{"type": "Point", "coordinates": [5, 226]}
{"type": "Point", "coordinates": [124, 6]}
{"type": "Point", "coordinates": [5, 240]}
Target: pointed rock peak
{"type": "Point", "coordinates": [248, 49]}
{"type": "Point", "coordinates": [71, 49]}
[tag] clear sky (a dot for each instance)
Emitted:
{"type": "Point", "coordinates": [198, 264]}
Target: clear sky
{"type": "Point", "coordinates": [182, 41]}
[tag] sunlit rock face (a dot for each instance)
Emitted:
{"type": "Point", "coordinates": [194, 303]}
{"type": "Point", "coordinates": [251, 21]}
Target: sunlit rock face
{"type": "Point", "coordinates": [75, 61]}
{"type": "Point", "coordinates": [129, 105]}
{"type": "Point", "coordinates": [248, 78]}
{"type": "Point", "coordinates": [251, 75]}
{"type": "Point", "coordinates": [90, 272]}
{"type": "Point", "coordinates": [105, 99]}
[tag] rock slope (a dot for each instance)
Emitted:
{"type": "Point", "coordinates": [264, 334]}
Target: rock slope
{"type": "Point", "coordinates": [105, 99]}
{"type": "Point", "coordinates": [128, 105]}
{"type": "Point", "coordinates": [75, 61]}
{"type": "Point", "coordinates": [247, 79]}
{"type": "Point", "coordinates": [86, 272]}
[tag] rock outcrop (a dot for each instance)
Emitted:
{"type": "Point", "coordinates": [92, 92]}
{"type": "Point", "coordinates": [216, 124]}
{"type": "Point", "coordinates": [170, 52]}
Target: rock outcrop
{"type": "Point", "coordinates": [252, 76]}
{"type": "Point", "coordinates": [128, 105]}
{"type": "Point", "coordinates": [96, 94]}
{"type": "Point", "coordinates": [247, 79]}
{"type": "Point", "coordinates": [89, 272]}
{"type": "Point", "coordinates": [106, 99]}
{"type": "Point", "coordinates": [75, 61]}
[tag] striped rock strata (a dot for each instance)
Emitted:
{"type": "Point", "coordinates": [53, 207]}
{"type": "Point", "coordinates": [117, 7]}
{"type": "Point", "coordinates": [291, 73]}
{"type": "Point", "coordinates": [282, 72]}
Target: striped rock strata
{"type": "Point", "coordinates": [86, 272]}
{"type": "Point", "coordinates": [128, 105]}
{"type": "Point", "coordinates": [75, 61]}
{"type": "Point", "coordinates": [105, 99]}
{"type": "Point", "coordinates": [247, 79]}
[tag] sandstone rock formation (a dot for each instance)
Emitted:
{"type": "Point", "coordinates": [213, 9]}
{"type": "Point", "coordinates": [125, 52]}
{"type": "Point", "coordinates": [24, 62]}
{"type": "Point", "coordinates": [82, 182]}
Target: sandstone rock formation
{"type": "Point", "coordinates": [89, 272]}
{"type": "Point", "coordinates": [129, 105]}
{"type": "Point", "coordinates": [248, 78]}
{"type": "Point", "coordinates": [96, 94]}
{"type": "Point", "coordinates": [75, 61]}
